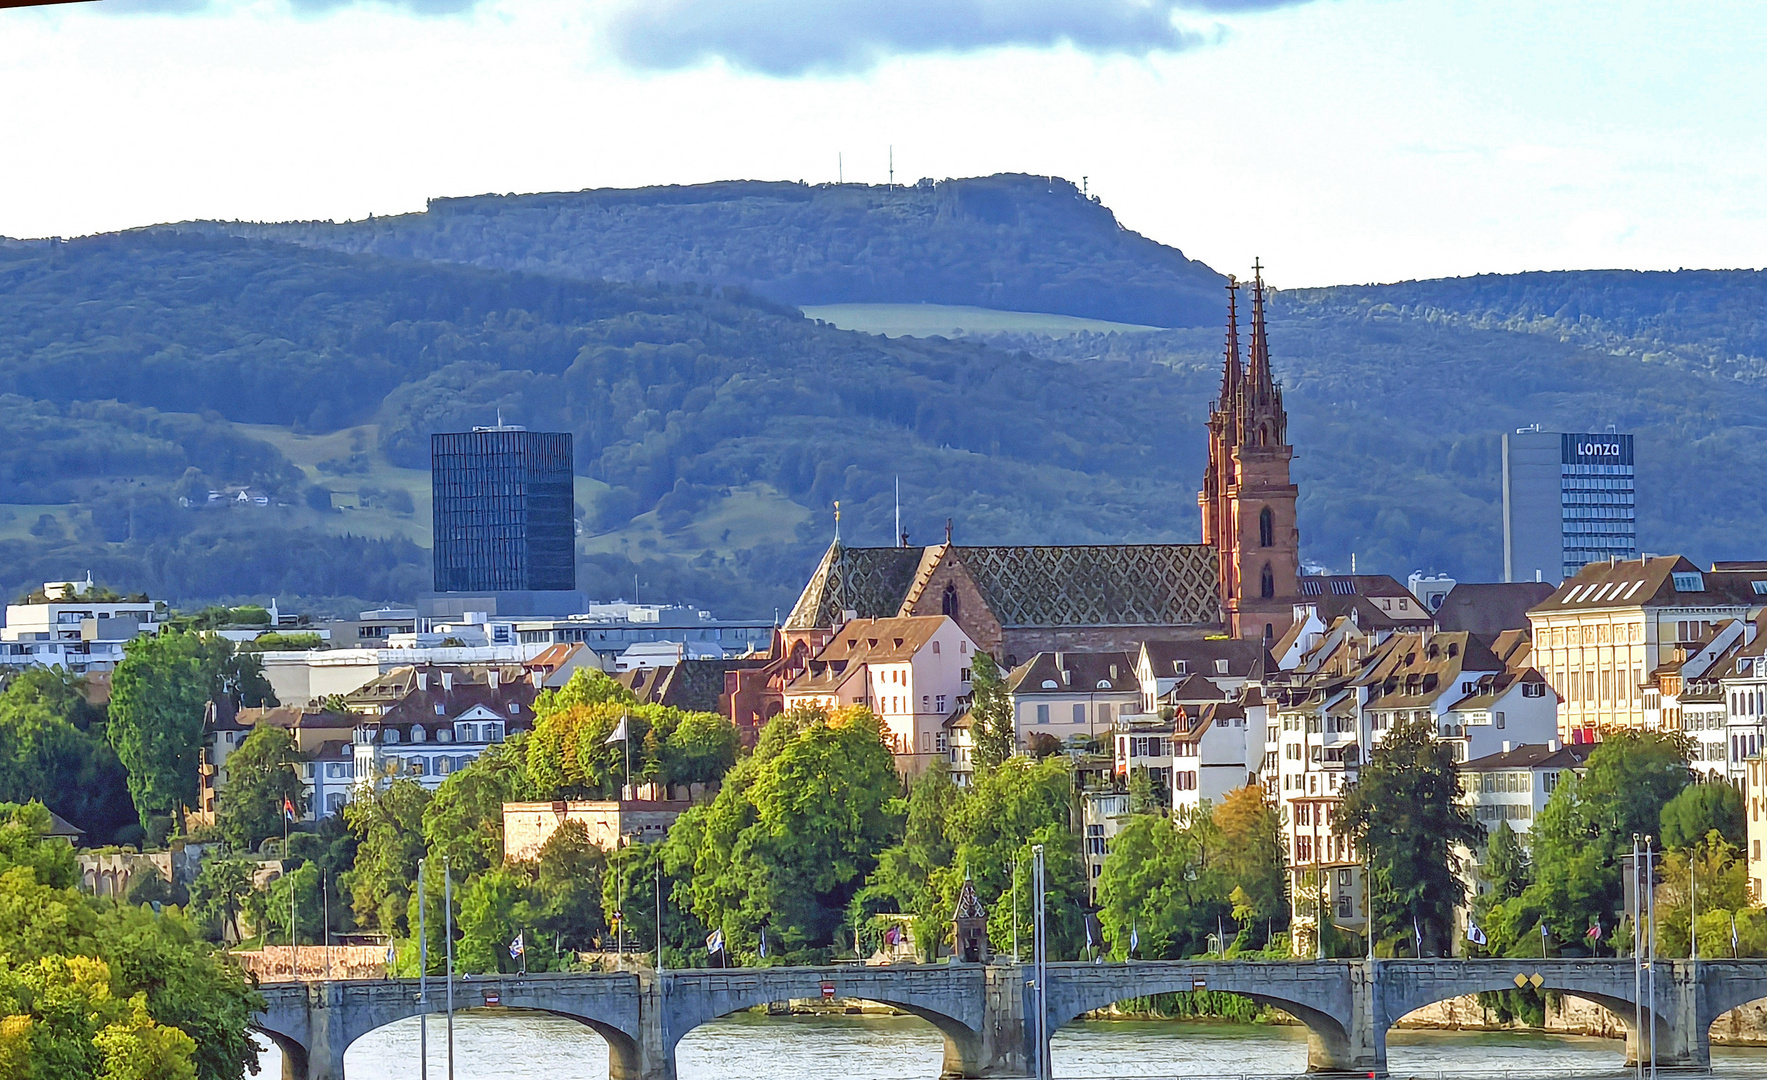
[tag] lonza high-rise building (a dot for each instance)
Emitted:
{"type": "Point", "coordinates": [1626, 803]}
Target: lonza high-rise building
{"type": "Point", "coordinates": [1568, 500]}
{"type": "Point", "coordinates": [503, 499]}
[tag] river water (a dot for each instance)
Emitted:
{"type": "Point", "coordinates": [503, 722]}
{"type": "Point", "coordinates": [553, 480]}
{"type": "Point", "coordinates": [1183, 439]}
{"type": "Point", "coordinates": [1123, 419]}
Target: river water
{"type": "Point", "coordinates": [499, 1045]}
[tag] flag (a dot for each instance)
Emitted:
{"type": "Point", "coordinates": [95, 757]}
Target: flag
{"type": "Point", "coordinates": [1417, 929]}
{"type": "Point", "coordinates": [1733, 949]}
{"type": "Point", "coordinates": [288, 810]}
{"type": "Point", "coordinates": [392, 954]}
{"type": "Point", "coordinates": [1134, 937]}
{"type": "Point", "coordinates": [1474, 934]}
{"type": "Point", "coordinates": [893, 936]}
{"type": "Point", "coordinates": [621, 732]}
{"type": "Point", "coordinates": [1094, 932]}
{"type": "Point", "coordinates": [715, 942]}
{"type": "Point", "coordinates": [1594, 933]}
{"type": "Point", "coordinates": [763, 943]}
{"type": "Point", "coordinates": [517, 947]}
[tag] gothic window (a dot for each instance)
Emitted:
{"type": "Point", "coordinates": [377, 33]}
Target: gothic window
{"type": "Point", "coordinates": [1267, 583]}
{"type": "Point", "coordinates": [948, 603]}
{"type": "Point", "coordinates": [1266, 528]}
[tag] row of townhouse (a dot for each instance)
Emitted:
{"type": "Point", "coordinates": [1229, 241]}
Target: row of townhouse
{"type": "Point", "coordinates": [422, 723]}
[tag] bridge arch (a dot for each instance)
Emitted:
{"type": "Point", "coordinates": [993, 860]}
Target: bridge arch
{"type": "Point", "coordinates": [947, 997]}
{"type": "Point", "coordinates": [1318, 995]}
{"type": "Point", "coordinates": [316, 1025]}
{"type": "Point", "coordinates": [1412, 985]}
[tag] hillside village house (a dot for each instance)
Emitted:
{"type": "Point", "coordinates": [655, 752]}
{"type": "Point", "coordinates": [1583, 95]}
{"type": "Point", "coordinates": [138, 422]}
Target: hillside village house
{"type": "Point", "coordinates": [909, 671]}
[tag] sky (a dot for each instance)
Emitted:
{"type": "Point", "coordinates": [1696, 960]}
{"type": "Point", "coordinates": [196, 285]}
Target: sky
{"type": "Point", "coordinates": [1342, 141]}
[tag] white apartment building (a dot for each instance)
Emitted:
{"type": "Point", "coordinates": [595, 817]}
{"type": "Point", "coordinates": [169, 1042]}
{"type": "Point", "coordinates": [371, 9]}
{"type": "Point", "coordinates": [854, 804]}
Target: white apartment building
{"type": "Point", "coordinates": [308, 678]}
{"type": "Point", "coordinates": [1743, 681]}
{"type": "Point", "coordinates": [1607, 636]}
{"type": "Point", "coordinates": [1102, 814]}
{"type": "Point", "coordinates": [73, 630]}
{"type": "Point", "coordinates": [1072, 696]}
{"type": "Point", "coordinates": [1216, 749]}
{"type": "Point", "coordinates": [911, 671]}
{"type": "Point", "coordinates": [428, 723]}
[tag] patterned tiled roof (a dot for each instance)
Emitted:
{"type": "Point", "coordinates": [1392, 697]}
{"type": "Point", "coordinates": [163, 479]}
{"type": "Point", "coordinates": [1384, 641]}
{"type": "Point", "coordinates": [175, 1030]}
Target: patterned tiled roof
{"type": "Point", "coordinates": [1081, 585]}
{"type": "Point", "coordinates": [1096, 585]}
{"type": "Point", "coordinates": [869, 581]}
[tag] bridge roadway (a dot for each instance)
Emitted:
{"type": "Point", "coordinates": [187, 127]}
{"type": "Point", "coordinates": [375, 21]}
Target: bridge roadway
{"type": "Point", "coordinates": [986, 1013]}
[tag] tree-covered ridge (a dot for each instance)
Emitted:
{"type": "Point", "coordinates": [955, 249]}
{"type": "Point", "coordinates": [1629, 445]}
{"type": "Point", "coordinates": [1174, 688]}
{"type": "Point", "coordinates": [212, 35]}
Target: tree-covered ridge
{"type": "Point", "coordinates": [1700, 320]}
{"type": "Point", "coordinates": [676, 395]}
{"type": "Point", "coordinates": [1025, 243]}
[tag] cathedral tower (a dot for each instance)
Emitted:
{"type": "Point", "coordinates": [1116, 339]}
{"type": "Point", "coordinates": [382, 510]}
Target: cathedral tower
{"type": "Point", "coordinates": [1247, 499]}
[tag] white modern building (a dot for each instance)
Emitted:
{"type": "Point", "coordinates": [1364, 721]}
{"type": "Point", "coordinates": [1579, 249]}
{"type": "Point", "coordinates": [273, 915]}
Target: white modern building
{"type": "Point", "coordinates": [73, 629]}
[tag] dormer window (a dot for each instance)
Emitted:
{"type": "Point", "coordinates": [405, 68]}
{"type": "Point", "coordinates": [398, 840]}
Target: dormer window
{"type": "Point", "coordinates": [390, 735]}
{"type": "Point", "coordinates": [416, 733]}
{"type": "Point", "coordinates": [1688, 581]}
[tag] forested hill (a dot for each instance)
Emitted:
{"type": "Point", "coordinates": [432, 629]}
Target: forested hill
{"type": "Point", "coordinates": [209, 416]}
{"type": "Point", "coordinates": [713, 429]}
{"type": "Point", "coordinates": [1025, 243]}
{"type": "Point", "coordinates": [1702, 320]}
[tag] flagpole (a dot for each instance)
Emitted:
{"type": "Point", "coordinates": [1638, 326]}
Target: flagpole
{"type": "Point", "coordinates": [1636, 910]}
{"type": "Point", "coordinates": [659, 914]}
{"type": "Point", "coordinates": [325, 917]}
{"type": "Point", "coordinates": [292, 976]}
{"type": "Point", "coordinates": [448, 923]}
{"type": "Point", "coordinates": [422, 981]}
{"type": "Point", "coordinates": [1650, 882]}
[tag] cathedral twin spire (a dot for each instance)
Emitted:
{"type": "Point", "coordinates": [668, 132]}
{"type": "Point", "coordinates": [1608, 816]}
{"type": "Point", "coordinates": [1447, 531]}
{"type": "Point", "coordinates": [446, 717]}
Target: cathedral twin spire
{"type": "Point", "coordinates": [1249, 408]}
{"type": "Point", "coordinates": [1247, 499]}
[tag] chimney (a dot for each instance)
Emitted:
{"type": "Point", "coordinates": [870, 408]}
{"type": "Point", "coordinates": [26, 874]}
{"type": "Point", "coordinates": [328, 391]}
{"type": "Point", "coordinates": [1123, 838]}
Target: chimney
{"type": "Point", "coordinates": [539, 680]}
{"type": "Point", "coordinates": [495, 676]}
{"type": "Point", "coordinates": [423, 680]}
{"type": "Point", "coordinates": [1552, 746]}
{"type": "Point", "coordinates": [1506, 746]}
{"type": "Point", "coordinates": [447, 682]}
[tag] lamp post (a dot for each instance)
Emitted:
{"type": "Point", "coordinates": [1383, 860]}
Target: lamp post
{"type": "Point", "coordinates": [1040, 957]}
{"type": "Point", "coordinates": [1651, 907]}
{"type": "Point", "coordinates": [1634, 911]}
{"type": "Point", "coordinates": [422, 980]}
{"type": "Point", "coordinates": [448, 924]}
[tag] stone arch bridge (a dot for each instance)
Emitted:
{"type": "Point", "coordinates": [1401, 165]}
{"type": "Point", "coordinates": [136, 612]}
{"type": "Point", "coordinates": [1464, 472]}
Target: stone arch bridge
{"type": "Point", "coordinates": [986, 1013]}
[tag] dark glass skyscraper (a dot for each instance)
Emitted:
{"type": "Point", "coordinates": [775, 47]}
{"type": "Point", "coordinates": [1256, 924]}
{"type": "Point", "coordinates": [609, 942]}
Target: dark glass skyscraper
{"type": "Point", "coordinates": [503, 499]}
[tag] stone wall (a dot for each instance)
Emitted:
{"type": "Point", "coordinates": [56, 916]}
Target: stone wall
{"type": "Point", "coordinates": [346, 962]}
{"type": "Point", "coordinates": [1744, 1026]}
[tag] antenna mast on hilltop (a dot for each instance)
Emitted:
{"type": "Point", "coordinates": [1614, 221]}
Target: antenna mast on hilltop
{"type": "Point", "coordinates": [892, 166]}
{"type": "Point", "coordinates": [840, 169]}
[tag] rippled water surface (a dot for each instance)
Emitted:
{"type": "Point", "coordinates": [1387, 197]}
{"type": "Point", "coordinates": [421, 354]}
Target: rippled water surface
{"type": "Point", "coordinates": [497, 1045]}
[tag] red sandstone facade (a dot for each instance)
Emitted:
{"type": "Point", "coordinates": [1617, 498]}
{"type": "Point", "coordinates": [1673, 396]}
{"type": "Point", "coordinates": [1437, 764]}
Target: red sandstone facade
{"type": "Point", "coordinates": [1247, 499]}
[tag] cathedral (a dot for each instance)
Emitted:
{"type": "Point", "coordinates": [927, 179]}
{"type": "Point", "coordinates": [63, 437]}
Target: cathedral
{"type": "Point", "coordinates": [1017, 601]}
{"type": "Point", "coordinates": [1247, 499]}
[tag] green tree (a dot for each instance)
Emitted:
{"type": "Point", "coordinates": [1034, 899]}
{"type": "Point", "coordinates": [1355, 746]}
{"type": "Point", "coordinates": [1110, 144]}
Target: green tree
{"type": "Point", "coordinates": [1404, 812]}
{"type": "Point", "coordinates": [1506, 863]}
{"type": "Point", "coordinates": [463, 821]}
{"type": "Point", "coordinates": [1253, 863]}
{"type": "Point", "coordinates": [158, 691]}
{"type": "Point", "coordinates": [52, 747]}
{"type": "Point", "coordinates": [1699, 809]}
{"type": "Point", "coordinates": [219, 894]}
{"type": "Point", "coordinates": [263, 772]}
{"type": "Point", "coordinates": [1009, 810]}
{"type": "Point", "coordinates": [1145, 796]}
{"type": "Point", "coordinates": [700, 750]}
{"type": "Point", "coordinates": [154, 961]}
{"type": "Point", "coordinates": [1720, 884]}
{"type": "Point", "coordinates": [269, 910]}
{"type": "Point", "coordinates": [990, 711]}
{"type": "Point", "coordinates": [907, 876]}
{"type": "Point", "coordinates": [388, 823]}
{"type": "Point", "coordinates": [495, 907]}
{"type": "Point", "coordinates": [570, 874]}
{"type": "Point", "coordinates": [793, 832]}
{"type": "Point", "coordinates": [1164, 883]}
